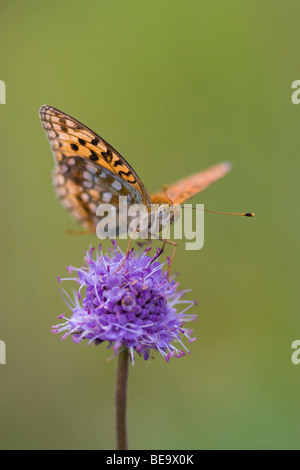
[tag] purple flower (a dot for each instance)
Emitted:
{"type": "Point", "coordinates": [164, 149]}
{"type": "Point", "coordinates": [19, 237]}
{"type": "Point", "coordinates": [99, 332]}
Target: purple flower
{"type": "Point", "coordinates": [128, 303]}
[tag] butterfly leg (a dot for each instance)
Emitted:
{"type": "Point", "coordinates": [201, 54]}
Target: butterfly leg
{"type": "Point", "coordinates": [170, 242]}
{"type": "Point", "coordinates": [125, 256]}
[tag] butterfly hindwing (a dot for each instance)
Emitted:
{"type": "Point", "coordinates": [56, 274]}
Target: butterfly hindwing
{"type": "Point", "coordinates": [188, 187]}
{"type": "Point", "coordinates": [82, 187]}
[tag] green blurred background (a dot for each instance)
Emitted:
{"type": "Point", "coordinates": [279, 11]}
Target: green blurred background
{"type": "Point", "coordinates": [175, 86]}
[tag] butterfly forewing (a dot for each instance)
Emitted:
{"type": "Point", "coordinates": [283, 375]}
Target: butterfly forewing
{"type": "Point", "coordinates": [88, 170]}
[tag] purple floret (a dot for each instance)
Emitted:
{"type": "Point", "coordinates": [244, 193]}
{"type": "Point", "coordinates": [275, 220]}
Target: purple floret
{"type": "Point", "coordinates": [135, 306]}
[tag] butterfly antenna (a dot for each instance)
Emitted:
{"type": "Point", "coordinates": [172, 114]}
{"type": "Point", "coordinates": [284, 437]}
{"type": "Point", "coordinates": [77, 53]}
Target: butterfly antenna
{"type": "Point", "coordinates": [244, 214]}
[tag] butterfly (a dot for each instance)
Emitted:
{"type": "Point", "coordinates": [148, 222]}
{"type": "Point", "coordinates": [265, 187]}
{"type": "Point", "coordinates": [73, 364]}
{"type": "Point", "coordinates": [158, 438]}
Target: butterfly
{"type": "Point", "coordinates": [89, 172]}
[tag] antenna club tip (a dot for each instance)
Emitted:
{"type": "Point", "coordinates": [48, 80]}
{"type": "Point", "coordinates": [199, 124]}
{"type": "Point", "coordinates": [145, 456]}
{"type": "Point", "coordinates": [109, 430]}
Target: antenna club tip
{"type": "Point", "coordinates": [249, 214]}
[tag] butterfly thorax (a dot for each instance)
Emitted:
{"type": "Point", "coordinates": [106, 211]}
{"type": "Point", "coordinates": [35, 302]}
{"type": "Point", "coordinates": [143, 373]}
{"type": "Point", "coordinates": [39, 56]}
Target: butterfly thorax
{"type": "Point", "coordinates": [162, 215]}
{"type": "Point", "coordinates": [161, 198]}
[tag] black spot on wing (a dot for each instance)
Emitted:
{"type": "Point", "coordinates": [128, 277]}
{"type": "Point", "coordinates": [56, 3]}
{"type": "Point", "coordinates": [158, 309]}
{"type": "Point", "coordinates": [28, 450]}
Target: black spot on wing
{"type": "Point", "coordinates": [107, 155]}
{"type": "Point", "coordinates": [117, 162]}
{"type": "Point", "coordinates": [127, 176]}
{"type": "Point", "coordinates": [95, 141]}
{"type": "Point", "coordinates": [93, 156]}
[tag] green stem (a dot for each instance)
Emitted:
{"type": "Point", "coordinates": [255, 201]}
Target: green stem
{"type": "Point", "coordinates": [120, 399]}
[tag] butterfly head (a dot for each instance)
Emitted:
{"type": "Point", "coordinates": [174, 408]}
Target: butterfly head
{"type": "Point", "coordinates": [163, 211]}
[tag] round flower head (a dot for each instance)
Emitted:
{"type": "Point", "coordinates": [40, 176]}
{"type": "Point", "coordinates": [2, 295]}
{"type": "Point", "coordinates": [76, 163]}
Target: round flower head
{"type": "Point", "coordinates": [127, 302]}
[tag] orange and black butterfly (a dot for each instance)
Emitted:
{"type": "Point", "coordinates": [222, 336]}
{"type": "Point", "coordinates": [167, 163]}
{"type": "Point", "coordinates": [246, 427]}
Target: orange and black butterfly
{"type": "Point", "coordinates": [89, 172]}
